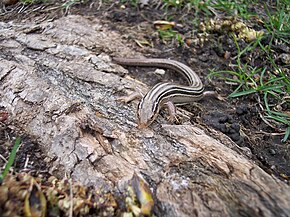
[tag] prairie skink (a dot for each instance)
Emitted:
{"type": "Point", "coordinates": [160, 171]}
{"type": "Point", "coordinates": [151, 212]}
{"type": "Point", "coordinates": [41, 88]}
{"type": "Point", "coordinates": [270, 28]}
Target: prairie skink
{"type": "Point", "coordinates": [165, 93]}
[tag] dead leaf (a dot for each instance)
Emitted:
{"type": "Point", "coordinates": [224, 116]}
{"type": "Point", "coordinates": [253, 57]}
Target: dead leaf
{"type": "Point", "coordinates": [163, 25]}
{"type": "Point", "coordinates": [143, 193]}
{"type": "Point", "coordinates": [35, 202]}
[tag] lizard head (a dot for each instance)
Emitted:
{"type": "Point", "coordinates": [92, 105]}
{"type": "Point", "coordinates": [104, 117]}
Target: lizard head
{"type": "Point", "coordinates": [147, 112]}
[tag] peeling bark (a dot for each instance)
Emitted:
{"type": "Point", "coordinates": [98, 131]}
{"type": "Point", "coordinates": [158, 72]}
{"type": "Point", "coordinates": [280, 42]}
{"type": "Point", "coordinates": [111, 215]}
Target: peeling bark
{"type": "Point", "coordinates": [60, 88]}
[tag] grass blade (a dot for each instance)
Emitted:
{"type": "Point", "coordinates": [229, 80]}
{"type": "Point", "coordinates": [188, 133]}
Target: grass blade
{"type": "Point", "coordinates": [287, 133]}
{"type": "Point", "coordinates": [11, 158]}
{"type": "Point", "coordinates": [243, 93]}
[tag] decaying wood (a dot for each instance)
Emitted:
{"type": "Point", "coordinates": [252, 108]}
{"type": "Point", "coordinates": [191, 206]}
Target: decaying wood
{"type": "Point", "coordinates": [60, 87]}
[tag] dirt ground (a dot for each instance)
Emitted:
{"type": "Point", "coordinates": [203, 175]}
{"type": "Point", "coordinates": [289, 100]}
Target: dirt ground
{"type": "Point", "coordinates": [238, 118]}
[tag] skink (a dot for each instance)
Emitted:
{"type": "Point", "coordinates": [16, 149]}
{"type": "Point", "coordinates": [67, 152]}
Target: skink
{"type": "Point", "coordinates": [164, 93]}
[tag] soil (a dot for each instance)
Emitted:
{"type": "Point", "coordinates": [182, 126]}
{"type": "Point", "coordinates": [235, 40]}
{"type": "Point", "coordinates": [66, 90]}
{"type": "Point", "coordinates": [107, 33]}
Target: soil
{"type": "Point", "coordinates": [239, 118]}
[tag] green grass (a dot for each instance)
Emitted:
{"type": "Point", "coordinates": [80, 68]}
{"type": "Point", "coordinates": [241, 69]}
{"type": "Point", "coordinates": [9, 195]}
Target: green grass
{"type": "Point", "coordinates": [28, 2]}
{"type": "Point", "coordinates": [236, 7]}
{"type": "Point", "coordinates": [208, 7]}
{"type": "Point", "coordinates": [278, 24]}
{"type": "Point", "coordinates": [68, 4]}
{"type": "Point", "coordinates": [170, 34]}
{"type": "Point", "coordinates": [269, 82]}
{"type": "Point", "coordinates": [11, 159]}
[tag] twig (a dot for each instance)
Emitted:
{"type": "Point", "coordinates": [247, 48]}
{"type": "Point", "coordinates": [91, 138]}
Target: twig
{"type": "Point", "coordinates": [26, 162]}
{"type": "Point", "coordinates": [3, 158]}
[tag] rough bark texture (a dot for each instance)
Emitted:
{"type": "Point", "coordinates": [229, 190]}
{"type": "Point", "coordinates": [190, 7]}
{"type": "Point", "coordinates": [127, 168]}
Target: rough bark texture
{"type": "Point", "coordinates": [59, 86]}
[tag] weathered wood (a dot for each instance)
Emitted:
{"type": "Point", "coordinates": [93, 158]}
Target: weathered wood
{"type": "Point", "coordinates": [59, 86]}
